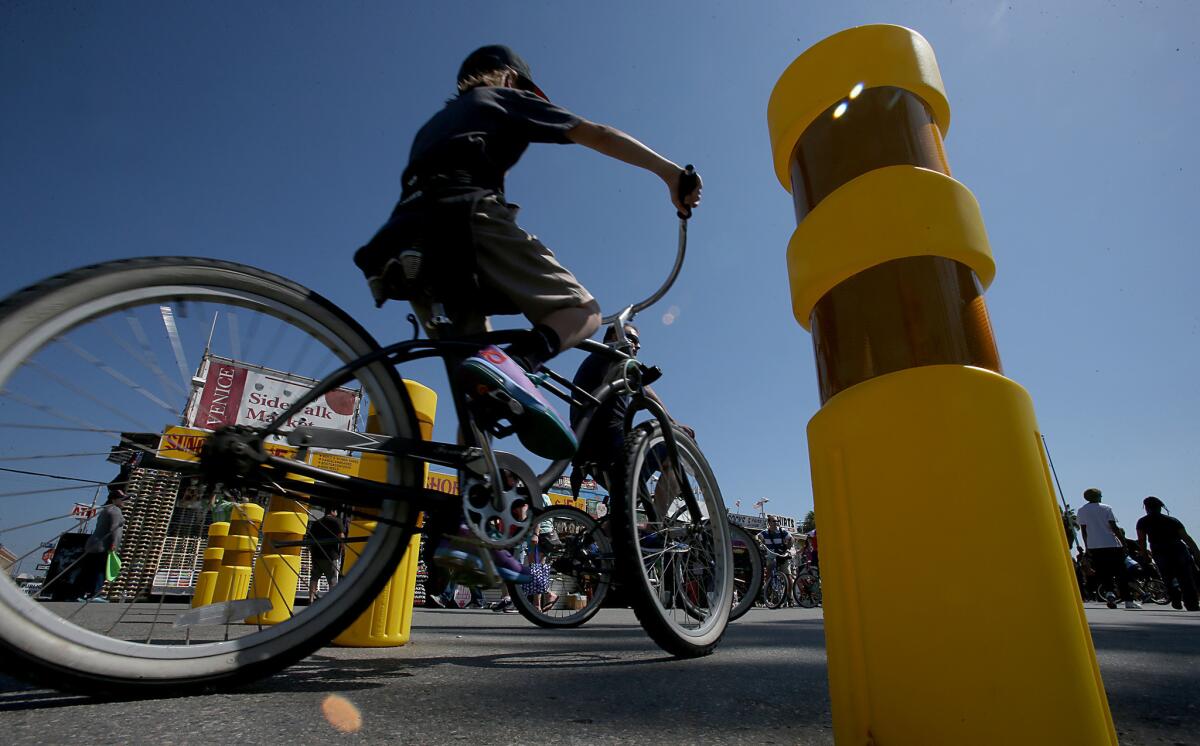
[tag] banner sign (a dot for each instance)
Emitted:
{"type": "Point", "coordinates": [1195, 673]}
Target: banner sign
{"type": "Point", "coordinates": [83, 511]}
{"type": "Point", "coordinates": [759, 523]}
{"type": "Point", "coordinates": [239, 394]}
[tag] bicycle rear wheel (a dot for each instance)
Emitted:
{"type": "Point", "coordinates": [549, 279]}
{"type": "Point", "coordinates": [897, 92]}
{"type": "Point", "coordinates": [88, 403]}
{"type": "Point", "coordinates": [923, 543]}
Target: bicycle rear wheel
{"type": "Point", "coordinates": [675, 551]}
{"type": "Point", "coordinates": [747, 571]}
{"type": "Point", "coordinates": [581, 572]}
{"type": "Point", "coordinates": [96, 373]}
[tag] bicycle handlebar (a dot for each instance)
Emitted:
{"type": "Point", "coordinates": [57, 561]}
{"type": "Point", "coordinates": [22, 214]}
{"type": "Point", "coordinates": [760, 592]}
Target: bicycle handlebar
{"type": "Point", "coordinates": [687, 183]}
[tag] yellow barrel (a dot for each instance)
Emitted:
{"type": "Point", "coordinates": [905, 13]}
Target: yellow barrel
{"type": "Point", "coordinates": [918, 425]}
{"type": "Point", "coordinates": [213, 553]}
{"type": "Point", "coordinates": [277, 572]}
{"type": "Point", "coordinates": [233, 580]}
{"type": "Point", "coordinates": [388, 621]}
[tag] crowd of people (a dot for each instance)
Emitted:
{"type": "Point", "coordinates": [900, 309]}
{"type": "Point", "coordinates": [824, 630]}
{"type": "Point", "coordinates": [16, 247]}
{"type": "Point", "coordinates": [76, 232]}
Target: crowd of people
{"type": "Point", "coordinates": [1112, 562]}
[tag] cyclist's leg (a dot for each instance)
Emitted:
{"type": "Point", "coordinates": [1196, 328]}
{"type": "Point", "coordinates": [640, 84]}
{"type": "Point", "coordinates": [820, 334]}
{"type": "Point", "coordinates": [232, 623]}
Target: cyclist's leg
{"type": "Point", "coordinates": [516, 265]}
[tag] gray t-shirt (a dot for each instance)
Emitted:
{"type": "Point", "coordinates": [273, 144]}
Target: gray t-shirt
{"type": "Point", "coordinates": [110, 526]}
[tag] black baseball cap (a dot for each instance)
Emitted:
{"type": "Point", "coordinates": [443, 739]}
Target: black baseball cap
{"type": "Point", "coordinates": [498, 57]}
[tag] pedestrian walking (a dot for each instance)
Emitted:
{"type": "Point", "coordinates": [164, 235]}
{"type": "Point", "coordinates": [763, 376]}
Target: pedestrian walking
{"type": "Point", "coordinates": [106, 538]}
{"type": "Point", "coordinates": [325, 550]}
{"type": "Point", "coordinates": [1102, 537]}
{"type": "Point", "coordinates": [1174, 552]}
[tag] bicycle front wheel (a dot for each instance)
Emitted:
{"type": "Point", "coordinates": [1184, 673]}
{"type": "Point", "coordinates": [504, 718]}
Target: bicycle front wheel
{"type": "Point", "coordinates": [806, 589]}
{"type": "Point", "coordinates": [581, 571]}
{"type": "Point", "coordinates": [100, 391]}
{"type": "Point", "coordinates": [775, 590]}
{"type": "Point", "coordinates": [675, 547]}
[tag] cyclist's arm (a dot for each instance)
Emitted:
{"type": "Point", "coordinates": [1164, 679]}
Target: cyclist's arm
{"type": "Point", "coordinates": [614, 143]}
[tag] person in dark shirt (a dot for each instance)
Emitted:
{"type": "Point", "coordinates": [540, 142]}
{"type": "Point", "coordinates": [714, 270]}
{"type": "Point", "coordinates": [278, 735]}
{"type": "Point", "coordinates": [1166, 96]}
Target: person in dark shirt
{"type": "Point", "coordinates": [604, 442]}
{"type": "Point", "coordinates": [1174, 552]}
{"type": "Point", "coordinates": [455, 181]}
{"type": "Point", "coordinates": [325, 551]}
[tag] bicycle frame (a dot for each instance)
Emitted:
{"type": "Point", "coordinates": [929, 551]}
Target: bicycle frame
{"type": "Point", "coordinates": [335, 488]}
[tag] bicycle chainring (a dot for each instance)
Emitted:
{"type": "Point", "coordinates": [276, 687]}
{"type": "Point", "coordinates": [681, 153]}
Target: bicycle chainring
{"type": "Point", "coordinates": [500, 516]}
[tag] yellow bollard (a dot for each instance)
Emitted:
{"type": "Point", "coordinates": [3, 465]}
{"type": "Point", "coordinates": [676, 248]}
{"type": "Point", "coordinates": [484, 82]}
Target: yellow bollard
{"type": "Point", "coordinates": [918, 426]}
{"type": "Point", "coordinates": [277, 572]}
{"type": "Point", "coordinates": [387, 622]}
{"type": "Point", "coordinates": [207, 582]}
{"type": "Point", "coordinates": [233, 580]}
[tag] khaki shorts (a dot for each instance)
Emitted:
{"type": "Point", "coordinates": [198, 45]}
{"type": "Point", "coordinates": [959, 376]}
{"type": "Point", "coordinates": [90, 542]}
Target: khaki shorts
{"type": "Point", "coordinates": [517, 265]}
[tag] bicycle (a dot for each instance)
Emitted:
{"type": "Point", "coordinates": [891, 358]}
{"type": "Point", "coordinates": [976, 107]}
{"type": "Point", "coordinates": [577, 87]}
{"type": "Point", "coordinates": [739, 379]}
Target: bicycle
{"type": "Point", "coordinates": [777, 586]}
{"type": "Point", "coordinates": [806, 587]}
{"type": "Point", "coordinates": [88, 365]}
{"type": "Point", "coordinates": [584, 571]}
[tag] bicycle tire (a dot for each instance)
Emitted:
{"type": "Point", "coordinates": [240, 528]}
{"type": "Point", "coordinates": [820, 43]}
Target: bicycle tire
{"type": "Point", "coordinates": [577, 564]}
{"type": "Point", "coordinates": [747, 571]}
{"type": "Point", "coordinates": [1155, 591]}
{"type": "Point", "coordinates": [41, 646]}
{"type": "Point", "coordinates": [679, 550]}
{"type": "Point", "coordinates": [776, 590]}
{"type": "Point", "coordinates": [806, 589]}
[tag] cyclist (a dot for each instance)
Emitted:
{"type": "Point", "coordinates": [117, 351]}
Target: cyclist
{"type": "Point", "coordinates": [604, 443]}
{"type": "Point", "coordinates": [453, 187]}
{"type": "Point", "coordinates": [778, 543]}
{"type": "Point", "coordinates": [453, 196]}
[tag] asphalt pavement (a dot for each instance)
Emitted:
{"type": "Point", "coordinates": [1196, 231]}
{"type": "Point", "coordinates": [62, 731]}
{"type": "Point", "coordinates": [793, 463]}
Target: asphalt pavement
{"type": "Point", "coordinates": [483, 677]}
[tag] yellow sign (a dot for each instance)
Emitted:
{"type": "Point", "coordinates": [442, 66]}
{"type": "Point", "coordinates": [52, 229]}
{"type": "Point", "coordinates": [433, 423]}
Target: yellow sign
{"type": "Point", "coordinates": [184, 444]}
{"type": "Point", "coordinates": [574, 502]}
{"type": "Point", "coordinates": [347, 465]}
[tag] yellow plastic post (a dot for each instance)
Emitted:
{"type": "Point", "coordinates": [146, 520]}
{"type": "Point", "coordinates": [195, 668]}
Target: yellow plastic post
{"type": "Point", "coordinates": [387, 622]}
{"type": "Point", "coordinates": [233, 580]}
{"type": "Point", "coordinates": [277, 572]}
{"type": "Point", "coordinates": [918, 426]}
{"type": "Point", "coordinates": [207, 582]}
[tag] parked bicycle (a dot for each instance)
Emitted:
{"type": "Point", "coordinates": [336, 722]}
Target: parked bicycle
{"type": "Point", "coordinates": [94, 364]}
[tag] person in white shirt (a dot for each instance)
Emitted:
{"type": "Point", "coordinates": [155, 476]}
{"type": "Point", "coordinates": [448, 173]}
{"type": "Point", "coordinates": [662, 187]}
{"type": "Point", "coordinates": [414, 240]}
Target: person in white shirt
{"type": "Point", "coordinates": [1102, 537]}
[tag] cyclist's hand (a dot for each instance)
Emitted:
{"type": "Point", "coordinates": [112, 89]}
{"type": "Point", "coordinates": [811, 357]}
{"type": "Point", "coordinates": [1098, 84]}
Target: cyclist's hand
{"type": "Point", "coordinates": [685, 202]}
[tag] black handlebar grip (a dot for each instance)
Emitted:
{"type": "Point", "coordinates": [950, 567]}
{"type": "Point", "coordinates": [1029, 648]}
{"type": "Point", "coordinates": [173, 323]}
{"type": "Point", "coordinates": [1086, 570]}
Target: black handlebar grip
{"type": "Point", "coordinates": [688, 181]}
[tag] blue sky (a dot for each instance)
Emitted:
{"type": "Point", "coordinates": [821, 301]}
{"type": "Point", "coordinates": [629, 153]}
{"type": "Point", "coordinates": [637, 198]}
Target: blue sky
{"type": "Point", "coordinates": [274, 134]}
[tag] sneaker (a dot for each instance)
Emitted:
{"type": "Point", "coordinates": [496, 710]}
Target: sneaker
{"type": "Point", "coordinates": [509, 569]}
{"type": "Point", "coordinates": [1132, 605]}
{"type": "Point", "coordinates": [434, 602]}
{"type": "Point", "coordinates": [474, 605]}
{"type": "Point", "coordinates": [538, 426]}
{"type": "Point", "coordinates": [98, 600]}
{"type": "Point", "coordinates": [503, 604]}
{"type": "Point", "coordinates": [1177, 605]}
{"type": "Point", "coordinates": [1111, 600]}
